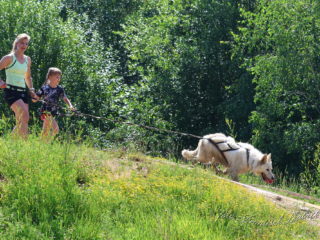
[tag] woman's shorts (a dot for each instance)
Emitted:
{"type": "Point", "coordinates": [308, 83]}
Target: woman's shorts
{"type": "Point", "coordinates": [11, 96]}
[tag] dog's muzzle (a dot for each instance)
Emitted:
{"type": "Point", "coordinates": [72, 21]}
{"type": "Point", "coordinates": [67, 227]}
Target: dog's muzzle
{"type": "Point", "coordinates": [266, 179]}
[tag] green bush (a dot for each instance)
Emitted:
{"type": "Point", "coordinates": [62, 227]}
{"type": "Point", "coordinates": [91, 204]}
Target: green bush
{"type": "Point", "coordinates": [279, 44]}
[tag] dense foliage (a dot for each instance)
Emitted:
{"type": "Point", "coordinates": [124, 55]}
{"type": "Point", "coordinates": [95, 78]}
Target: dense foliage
{"type": "Point", "coordinates": [279, 44]}
{"type": "Point", "coordinates": [248, 68]}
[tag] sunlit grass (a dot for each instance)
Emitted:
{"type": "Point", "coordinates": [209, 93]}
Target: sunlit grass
{"type": "Point", "coordinates": [64, 190]}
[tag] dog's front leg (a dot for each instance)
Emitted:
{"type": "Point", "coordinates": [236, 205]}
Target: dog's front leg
{"type": "Point", "coordinates": [217, 170]}
{"type": "Point", "coordinates": [234, 176]}
{"type": "Point", "coordinates": [226, 171]}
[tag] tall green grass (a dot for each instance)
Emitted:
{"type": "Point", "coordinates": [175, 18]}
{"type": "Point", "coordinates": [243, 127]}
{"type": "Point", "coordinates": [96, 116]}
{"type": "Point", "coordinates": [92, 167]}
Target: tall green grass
{"type": "Point", "coordinates": [64, 190]}
{"type": "Point", "coordinates": [39, 191]}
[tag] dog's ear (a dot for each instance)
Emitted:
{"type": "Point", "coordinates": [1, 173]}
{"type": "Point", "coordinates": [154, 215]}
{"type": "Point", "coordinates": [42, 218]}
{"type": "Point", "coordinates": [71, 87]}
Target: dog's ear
{"type": "Point", "coordinates": [269, 157]}
{"type": "Point", "coordinates": [264, 159]}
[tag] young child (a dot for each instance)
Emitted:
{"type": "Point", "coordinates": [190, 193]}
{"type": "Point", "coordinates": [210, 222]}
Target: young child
{"type": "Point", "coordinates": [51, 92]}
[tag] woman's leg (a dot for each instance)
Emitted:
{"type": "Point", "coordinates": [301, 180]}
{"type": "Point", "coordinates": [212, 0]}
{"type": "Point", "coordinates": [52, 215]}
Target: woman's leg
{"type": "Point", "coordinates": [21, 111]}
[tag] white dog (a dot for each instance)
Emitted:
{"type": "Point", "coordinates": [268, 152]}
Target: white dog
{"type": "Point", "coordinates": [238, 157]}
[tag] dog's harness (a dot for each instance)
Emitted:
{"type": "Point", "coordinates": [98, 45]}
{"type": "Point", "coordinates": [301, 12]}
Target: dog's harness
{"type": "Point", "coordinates": [216, 144]}
{"type": "Point", "coordinates": [248, 155]}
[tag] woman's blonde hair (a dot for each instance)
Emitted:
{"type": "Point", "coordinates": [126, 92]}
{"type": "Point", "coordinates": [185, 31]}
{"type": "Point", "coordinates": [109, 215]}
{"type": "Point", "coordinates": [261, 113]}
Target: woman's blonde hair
{"type": "Point", "coordinates": [52, 71]}
{"type": "Point", "coordinates": [18, 39]}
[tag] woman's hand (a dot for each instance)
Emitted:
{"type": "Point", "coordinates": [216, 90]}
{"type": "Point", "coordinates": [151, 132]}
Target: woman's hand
{"type": "Point", "coordinates": [2, 84]}
{"type": "Point", "coordinates": [34, 97]}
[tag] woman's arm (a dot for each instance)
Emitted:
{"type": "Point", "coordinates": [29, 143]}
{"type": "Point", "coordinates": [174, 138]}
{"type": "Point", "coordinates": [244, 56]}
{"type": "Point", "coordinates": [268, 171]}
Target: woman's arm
{"type": "Point", "coordinates": [28, 76]}
{"type": "Point", "coordinates": [4, 62]}
{"type": "Point", "coordinates": [28, 80]}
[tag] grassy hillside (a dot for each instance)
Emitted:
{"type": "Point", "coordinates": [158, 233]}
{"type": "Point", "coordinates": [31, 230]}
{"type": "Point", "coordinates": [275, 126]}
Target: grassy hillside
{"type": "Point", "coordinates": [70, 191]}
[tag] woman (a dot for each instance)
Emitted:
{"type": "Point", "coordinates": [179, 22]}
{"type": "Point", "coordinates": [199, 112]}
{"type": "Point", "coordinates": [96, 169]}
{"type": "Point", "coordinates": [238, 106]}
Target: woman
{"type": "Point", "coordinates": [18, 77]}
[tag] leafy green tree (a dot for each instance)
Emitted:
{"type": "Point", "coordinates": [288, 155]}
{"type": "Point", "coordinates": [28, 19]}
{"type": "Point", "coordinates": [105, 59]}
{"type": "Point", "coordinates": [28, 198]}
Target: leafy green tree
{"type": "Point", "coordinates": [279, 44]}
{"type": "Point", "coordinates": [106, 17]}
{"type": "Point", "coordinates": [180, 50]}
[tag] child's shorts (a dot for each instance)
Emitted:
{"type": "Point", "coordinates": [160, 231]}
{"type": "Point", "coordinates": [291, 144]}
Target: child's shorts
{"type": "Point", "coordinates": [45, 114]}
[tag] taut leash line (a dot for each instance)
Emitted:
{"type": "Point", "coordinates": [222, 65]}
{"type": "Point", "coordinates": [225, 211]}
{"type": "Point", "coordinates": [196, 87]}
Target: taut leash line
{"type": "Point", "coordinates": [78, 113]}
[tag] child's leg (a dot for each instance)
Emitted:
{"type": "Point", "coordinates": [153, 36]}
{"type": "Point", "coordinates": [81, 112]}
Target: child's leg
{"type": "Point", "coordinates": [50, 127]}
{"type": "Point", "coordinates": [55, 127]}
{"type": "Point", "coordinates": [46, 127]}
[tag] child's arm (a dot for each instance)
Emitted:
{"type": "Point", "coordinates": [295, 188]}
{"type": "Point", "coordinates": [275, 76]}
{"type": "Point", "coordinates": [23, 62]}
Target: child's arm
{"type": "Point", "coordinates": [67, 101]}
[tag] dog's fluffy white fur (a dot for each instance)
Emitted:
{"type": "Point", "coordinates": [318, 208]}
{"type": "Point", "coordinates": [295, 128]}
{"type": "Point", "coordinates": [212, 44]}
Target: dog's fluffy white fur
{"type": "Point", "coordinates": [235, 161]}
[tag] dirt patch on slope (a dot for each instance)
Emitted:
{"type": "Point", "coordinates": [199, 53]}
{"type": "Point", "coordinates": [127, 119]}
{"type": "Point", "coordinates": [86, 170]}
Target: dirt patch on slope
{"type": "Point", "coordinates": [302, 210]}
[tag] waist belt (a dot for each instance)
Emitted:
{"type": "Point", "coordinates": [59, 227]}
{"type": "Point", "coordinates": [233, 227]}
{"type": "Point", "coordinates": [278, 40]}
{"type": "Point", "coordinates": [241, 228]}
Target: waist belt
{"type": "Point", "coordinates": [16, 88]}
